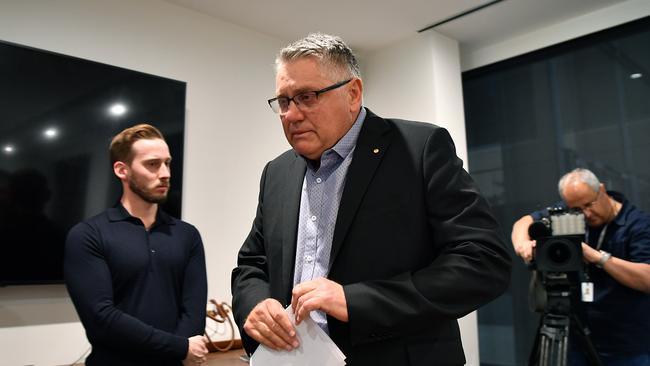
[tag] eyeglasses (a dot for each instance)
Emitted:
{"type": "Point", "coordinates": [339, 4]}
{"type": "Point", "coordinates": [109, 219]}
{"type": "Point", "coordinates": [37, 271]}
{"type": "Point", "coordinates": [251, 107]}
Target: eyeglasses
{"type": "Point", "coordinates": [305, 100]}
{"type": "Point", "coordinates": [589, 205]}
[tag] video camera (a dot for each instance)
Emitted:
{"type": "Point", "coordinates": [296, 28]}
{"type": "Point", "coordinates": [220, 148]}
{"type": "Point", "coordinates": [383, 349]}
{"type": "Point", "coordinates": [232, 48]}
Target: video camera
{"type": "Point", "coordinates": [557, 260]}
{"type": "Point", "coordinates": [559, 240]}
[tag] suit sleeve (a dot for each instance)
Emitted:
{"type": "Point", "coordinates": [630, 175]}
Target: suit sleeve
{"type": "Point", "coordinates": [250, 279]}
{"type": "Point", "coordinates": [89, 283]}
{"type": "Point", "coordinates": [471, 266]}
{"type": "Point", "coordinates": [195, 288]}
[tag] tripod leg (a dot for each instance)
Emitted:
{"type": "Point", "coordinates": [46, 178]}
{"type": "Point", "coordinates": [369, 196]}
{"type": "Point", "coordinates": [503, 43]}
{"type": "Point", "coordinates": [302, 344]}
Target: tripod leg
{"type": "Point", "coordinates": [544, 351]}
{"type": "Point", "coordinates": [557, 353]}
{"type": "Point", "coordinates": [563, 348]}
{"type": "Point", "coordinates": [534, 357]}
{"type": "Point", "coordinates": [590, 350]}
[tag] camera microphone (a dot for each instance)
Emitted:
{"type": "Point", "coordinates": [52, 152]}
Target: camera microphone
{"type": "Point", "coordinates": [539, 229]}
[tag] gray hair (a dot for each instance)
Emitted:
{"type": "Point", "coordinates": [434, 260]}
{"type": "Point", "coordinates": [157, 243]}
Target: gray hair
{"type": "Point", "coordinates": [331, 51]}
{"type": "Point", "coordinates": [579, 175]}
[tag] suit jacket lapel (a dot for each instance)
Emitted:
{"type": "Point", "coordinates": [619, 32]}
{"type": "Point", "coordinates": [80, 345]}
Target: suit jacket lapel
{"type": "Point", "coordinates": [373, 141]}
{"type": "Point", "coordinates": [290, 212]}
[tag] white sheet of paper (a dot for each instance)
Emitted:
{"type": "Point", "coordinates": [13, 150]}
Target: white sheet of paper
{"type": "Point", "coordinates": [316, 348]}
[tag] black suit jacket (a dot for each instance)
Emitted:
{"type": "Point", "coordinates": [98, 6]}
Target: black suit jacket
{"type": "Point", "coordinates": [415, 246]}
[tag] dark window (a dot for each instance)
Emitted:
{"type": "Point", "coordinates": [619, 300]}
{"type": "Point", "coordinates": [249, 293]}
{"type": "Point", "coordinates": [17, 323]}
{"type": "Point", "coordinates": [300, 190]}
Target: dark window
{"type": "Point", "coordinates": [530, 119]}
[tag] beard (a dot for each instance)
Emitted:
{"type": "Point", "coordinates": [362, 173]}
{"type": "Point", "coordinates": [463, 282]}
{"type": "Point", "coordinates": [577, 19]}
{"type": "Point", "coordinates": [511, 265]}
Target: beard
{"type": "Point", "coordinates": [148, 194]}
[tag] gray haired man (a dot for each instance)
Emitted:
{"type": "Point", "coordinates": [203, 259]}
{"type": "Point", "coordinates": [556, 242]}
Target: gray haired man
{"type": "Point", "coordinates": [369, 226]}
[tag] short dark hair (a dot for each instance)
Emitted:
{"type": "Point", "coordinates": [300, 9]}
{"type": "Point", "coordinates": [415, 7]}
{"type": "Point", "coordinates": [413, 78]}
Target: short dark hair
{"type": "Point", "coordinates": [121, 144]}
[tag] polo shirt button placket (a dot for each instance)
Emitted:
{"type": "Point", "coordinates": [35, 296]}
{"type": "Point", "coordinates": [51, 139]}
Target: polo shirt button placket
{"type": "Point", "coordinates": [152, 252]}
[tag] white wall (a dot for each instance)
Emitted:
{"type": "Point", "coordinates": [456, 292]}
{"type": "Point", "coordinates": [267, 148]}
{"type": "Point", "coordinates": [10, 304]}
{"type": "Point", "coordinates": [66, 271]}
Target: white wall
{"type": "Point", "coordinates": [518, 44]}
{"type": "Point", "coordinates": [229, 138]}
{"type": "Point", "coordinates": [419, 79]}
{"type": "Point", "coordinates": [230, 134]}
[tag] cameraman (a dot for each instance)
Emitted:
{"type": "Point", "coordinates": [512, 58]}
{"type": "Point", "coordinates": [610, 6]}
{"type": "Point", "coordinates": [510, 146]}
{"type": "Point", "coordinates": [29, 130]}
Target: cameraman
{"type": "Point", "coordinates": [617, 252]}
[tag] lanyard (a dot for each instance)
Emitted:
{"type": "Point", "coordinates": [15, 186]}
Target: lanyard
{"type": "Point", "coordinates": [601, 237]}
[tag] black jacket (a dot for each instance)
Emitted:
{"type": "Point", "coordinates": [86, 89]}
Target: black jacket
{"type": "Point", "coordinates": [415, 246]}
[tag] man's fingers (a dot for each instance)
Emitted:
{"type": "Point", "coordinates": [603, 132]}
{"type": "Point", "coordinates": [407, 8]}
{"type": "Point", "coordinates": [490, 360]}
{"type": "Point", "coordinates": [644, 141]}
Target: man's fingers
{"type": "Point", "coordinates": [299, 291]}
{"type": "Point", "coordinates": [309, 296]}
{"type": "Point", "coordinates": [306, 304]}
{"type": "Point", "coordinates": [282, 321]}
{"type": "Point", "coordinates": [280, 324]}
{"type": "Point", "coordinates": [269, 324]}
{"type": "Point", "coordinates": [269, 338]}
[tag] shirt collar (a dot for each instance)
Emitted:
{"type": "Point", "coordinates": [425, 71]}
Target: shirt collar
{"type": "Point", "coordinates": [119, 213]}
{"type": "Point", "coordinates": [625, 207]}
{"type": "Point", "coordinates": [346, 144]}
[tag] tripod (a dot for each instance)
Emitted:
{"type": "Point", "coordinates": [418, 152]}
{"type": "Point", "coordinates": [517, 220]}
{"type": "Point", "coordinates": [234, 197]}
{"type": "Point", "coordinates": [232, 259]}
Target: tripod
{"type": "Point", "coordinates": [552, 339]}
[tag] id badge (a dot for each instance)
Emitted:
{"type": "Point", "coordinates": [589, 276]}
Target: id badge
{"type": "Point", "coordinates": [587, 292]}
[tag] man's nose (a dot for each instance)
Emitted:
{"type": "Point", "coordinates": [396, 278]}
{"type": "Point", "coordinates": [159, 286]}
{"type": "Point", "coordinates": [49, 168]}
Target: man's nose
{"type": "Point", "coordinates": [164, 172]}
{"type": "Point", "coordinates": [293, 113]}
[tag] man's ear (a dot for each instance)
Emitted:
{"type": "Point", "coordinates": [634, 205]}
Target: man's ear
{"type": "Point", "coordinates": [355, 93]}
{"type": "Point", "coordinates": [121, 170]}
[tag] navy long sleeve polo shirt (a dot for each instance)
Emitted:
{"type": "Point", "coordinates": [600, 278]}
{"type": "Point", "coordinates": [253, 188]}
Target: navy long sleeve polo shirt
{"type": "Point", "coordinates": [139, 293]}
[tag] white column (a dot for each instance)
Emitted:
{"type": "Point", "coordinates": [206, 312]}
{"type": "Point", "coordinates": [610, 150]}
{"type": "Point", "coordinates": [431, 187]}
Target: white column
{"type": "Point", "coordinates": [419, 79]}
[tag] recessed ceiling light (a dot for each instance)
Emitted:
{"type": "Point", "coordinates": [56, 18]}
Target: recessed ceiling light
{"type": "Point", "coordinates": [636, 75]}
{"type": "Point", "coordinates": [51, 133]}
{"type": "Point", "coordinates": [9, 149]}
{"type": "Point", "coordinates": [117, 109]}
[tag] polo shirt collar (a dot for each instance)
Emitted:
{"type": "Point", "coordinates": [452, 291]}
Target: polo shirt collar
{"type": "Point", "coordinates": [119, 213]}
{"type": "Point", "coordinates": [625, 208]}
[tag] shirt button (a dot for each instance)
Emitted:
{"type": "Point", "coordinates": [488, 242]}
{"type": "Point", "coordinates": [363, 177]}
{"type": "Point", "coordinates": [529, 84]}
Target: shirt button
{"type": "Point", "coordinates": [309, 258]}
{"type": "Point", "coordinates": [318, 180]}
{"type": "Point", "coordinates": [313, 218]}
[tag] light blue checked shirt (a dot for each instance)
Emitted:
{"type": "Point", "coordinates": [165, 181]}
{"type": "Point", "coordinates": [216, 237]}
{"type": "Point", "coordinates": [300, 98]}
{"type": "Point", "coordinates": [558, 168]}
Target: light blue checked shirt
{"type": "Point", "coordinates": [319, 207]}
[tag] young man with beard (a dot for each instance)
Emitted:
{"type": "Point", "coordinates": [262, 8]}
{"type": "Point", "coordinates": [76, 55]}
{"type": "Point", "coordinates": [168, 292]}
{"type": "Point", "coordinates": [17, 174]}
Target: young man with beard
{"type": "Point", "coordinates": [136, 275]}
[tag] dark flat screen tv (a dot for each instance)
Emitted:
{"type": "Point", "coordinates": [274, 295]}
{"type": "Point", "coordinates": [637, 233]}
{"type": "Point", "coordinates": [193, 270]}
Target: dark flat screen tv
{"type": "Point", "coordinates": [57, 117]}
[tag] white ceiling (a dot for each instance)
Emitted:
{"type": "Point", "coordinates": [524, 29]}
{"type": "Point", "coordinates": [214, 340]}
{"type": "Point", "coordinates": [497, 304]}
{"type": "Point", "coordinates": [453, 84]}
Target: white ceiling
{"type": "Point", "coordinates": [371, 24]}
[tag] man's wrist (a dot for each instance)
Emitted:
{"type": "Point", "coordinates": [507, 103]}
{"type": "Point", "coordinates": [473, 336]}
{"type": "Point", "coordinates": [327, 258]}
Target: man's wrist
{"type": "Point", "coordinates": [604, 257]}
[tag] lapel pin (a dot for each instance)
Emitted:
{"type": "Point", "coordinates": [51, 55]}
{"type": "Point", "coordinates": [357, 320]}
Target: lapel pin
{"type": "Point", "coordinates": [375, 151]}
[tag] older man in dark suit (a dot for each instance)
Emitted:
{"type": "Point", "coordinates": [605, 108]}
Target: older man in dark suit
{"type": "Point", "coordinates": [369, 226]}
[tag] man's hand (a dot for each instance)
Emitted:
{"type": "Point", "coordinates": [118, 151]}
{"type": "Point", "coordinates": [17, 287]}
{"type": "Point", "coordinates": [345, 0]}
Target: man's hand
{"type": "Point", "coordinates": [631, 274]}
{"type": "Point", "coordinates": [196, 351]}
{"type": "Point", "coordinates": [319, 294]}
{"type": "Point", "coordinates": [524, 249]}
{"type": "Point", "coordinates": [269, 324]}
{"type": "Point", "coordinates": [589, 254]}
{"type": "Point", "coordinates": [521, 240]}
